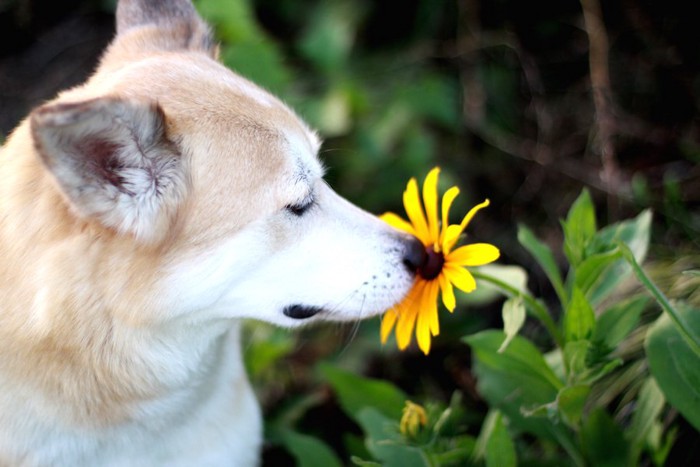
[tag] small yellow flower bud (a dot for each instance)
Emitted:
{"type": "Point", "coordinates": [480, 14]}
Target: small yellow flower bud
{"type": "Point", "coordinates": [413, 419]}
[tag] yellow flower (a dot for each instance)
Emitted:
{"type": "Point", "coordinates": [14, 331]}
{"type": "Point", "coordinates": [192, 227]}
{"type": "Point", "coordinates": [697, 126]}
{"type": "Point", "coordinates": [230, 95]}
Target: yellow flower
{"type": "Point", "coordinates": [443, 268]}
{"type": "Point", "coordinates": [412, 418]}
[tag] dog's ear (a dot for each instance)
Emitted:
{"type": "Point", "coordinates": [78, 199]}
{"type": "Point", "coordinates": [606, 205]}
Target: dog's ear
{"type": "Point", "coordinates": [177, 21]}
{"type": "Point", "coordinates": [113, 161]}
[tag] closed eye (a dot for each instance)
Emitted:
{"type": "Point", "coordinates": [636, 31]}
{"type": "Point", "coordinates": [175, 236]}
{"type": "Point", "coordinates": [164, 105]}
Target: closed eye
{"type": "Point", "coordinates": [301, 208]}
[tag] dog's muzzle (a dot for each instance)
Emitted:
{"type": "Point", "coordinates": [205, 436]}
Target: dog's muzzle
{"type": "Point", "coordinates": [301, 311]}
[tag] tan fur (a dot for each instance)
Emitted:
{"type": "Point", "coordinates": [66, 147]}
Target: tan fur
{"type": "Point", "coordinates": [53, 338]}
{"type": "Point", "coordinates": [99, 329]}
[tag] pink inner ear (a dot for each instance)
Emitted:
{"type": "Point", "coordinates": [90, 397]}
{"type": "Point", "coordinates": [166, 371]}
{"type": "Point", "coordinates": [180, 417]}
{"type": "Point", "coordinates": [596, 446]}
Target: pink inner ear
{"type": "Point", "coordinates": [102, 158]}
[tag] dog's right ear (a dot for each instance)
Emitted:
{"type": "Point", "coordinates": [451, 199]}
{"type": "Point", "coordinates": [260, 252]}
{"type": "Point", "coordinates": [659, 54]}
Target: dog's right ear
{"type": "Point", "coordinates": [113, 162]}
{"type": "Point", "coordinates": [179, 25]}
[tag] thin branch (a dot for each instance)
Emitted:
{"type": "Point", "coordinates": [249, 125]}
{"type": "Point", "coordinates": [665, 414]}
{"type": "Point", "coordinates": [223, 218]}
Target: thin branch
{"type": "Point", "coordinates": [598, 58]}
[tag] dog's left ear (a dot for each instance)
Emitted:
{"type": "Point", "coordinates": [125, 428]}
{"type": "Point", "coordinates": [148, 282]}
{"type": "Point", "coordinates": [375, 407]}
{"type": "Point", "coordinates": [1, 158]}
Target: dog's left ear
{"type": "Point", "coordinates": [113, 162]}
{"type": "Point", "coordinates": [177, 24]}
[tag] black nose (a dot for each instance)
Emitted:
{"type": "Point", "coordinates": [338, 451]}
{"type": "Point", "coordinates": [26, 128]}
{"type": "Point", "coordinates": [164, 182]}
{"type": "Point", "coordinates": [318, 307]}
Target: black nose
{"type": "Point", "coordinates": [414, 254]}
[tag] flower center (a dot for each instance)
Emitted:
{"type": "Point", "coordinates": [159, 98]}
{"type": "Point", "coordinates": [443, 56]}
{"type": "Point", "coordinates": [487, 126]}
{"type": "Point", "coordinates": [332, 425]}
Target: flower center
{"type": "Point", "coordinates": [433, 264]}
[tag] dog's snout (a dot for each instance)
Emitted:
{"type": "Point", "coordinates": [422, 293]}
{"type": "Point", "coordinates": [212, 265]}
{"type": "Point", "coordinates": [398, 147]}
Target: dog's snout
{"type": "Point", "coordinates": [414, 254]}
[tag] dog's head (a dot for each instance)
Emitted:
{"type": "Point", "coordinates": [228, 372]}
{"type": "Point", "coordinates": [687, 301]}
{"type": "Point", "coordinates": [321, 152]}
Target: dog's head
{"type": "Point", "coordinates": [166, 154]}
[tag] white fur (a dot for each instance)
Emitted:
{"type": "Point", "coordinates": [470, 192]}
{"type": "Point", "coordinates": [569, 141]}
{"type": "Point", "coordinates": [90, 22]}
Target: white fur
{"type": "Point", "coordinates": [142, 216]}
{"type": "Point", "coordinates": [335, 257]}
{"type": "Point", "coordinates": [191, 425]}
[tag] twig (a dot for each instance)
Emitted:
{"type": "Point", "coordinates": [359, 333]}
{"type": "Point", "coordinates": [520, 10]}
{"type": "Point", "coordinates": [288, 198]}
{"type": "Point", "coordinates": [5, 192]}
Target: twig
{"type": "Point", "coordinates": [605, 125]}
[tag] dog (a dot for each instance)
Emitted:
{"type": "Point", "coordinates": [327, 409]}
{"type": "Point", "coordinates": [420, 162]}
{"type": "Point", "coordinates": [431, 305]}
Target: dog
{"type": "Point", "coordinates": [143, 215]}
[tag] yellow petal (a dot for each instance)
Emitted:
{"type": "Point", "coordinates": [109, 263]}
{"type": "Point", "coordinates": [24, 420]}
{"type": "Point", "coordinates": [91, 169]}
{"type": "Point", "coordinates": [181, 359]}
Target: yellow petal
{"type": "Point", "coordinates": [476, 254]}
{"type": "Point", "coordinates": [447, 200]}
{"type": "Point", "coordinates": [423, 332]}
{"type": "Point", "coordinates": [407, 315]}
{"type": "Point", "coordinates": [388, 322]}
{"type": "Point", "coordinates": [460, 277]}
{"type": "Point", "coordinates": [426, 315]}
{"type": "Point", "coordinates": [397, 222]}
{"type": "Point", "coordinates": [430, 199]}
{"type": "Point", "coordinates": [453, 234]}
{"type": "Point", "coordinates": [414, 209]}
{"type": "Point", "coordinates": [448, 293]}
{"type": "Point", "coordinates": [404, 328]}
{"type": "Point", "coordinates": [434, 322]}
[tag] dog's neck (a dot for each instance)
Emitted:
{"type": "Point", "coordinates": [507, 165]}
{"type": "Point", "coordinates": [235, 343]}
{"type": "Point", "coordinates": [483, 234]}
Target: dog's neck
{"type": "Point", "coordinates": [78, 342]}
{"type": "Point", "coordinates": [152, 396]}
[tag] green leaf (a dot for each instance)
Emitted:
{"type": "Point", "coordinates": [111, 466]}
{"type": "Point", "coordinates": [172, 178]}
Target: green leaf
{"type": "Point", "coordinates": [330, 35]}
{"type": "Point", "coordinates": [513, 276]}
{"type": "Point", "coordinates": [662, 448]}
{"type": "Point", "coordinates": [259, 60]}
{"type": "Point", "coordinates": [616, 322]}
{"type": "Point", "coordinates": [555, 361]}
{"type": "Point", "coordinates": [579, 318]}
{"type": "Point", "coordinates": [579, 228]}
{"type": "Point", "coordinates": [690, 333]}
{"type": "Point", "coordinates": [493, 417]}
{"type": "Point", "coordinates": [513, 319]}
{"type": "Point", "coordinates": [589, 276]}
{"type": "Point", "coordinates": [293, 410]}
{"type": "Point", "coordinates": [363, 463]}
{"type": "Point", "coordinates": [520, 358]}
{"type": "Point", "coordinates": [635, 234]}
{"type": "Point", "coordinates": [385, 442]}
{"type": "Point", "coordinates": [500, 450]}
{"type": "Point", "coordinates": [602, 441]}
{"type": "Point", "coordinates": [650, 402]}
{"type": "Point", "coordinates": [544, 256]}
{"type": "Point", "coordinates": [460, 451]}
{"type": "Point", "coordinates": [234, 21]}
{"type": "Point", "coordinates": [576, 358]}
{"type": "Point", "coordinates": [356, 392]}
{"type": "Point", "coordinates": [516, 379]}
{"type": "Point", "coordinates": [593, 374]}
{"type": "Point", "coordinates": [536, 307]}
{"type": "Point", "coordinates": [308, 451]}
{"type": "Point", "coordinates": [265, 346]}
{"type": "Point", "coordinates": [570, 402]}
{"type": "Point", "coordinates": [674, 363]}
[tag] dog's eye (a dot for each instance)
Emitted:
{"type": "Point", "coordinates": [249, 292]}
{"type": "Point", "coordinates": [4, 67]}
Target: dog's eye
{"type": "Point", "coordinates": [299, 209]}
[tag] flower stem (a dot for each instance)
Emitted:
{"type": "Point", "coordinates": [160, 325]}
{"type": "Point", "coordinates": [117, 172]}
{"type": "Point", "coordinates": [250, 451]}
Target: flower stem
{"type": "Point", "coordinates": [680, 322]}
{"type": "Point", "coordinates": [536, 307]}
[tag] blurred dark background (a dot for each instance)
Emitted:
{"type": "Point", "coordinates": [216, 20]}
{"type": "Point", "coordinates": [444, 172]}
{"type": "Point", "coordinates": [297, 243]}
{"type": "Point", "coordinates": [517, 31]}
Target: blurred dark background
{"type": "Point", "coordinates": [498, 92]}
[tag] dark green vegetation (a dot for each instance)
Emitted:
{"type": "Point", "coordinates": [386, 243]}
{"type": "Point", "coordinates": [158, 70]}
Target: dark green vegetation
{"type": "Point", "coordinates": [526, 103]}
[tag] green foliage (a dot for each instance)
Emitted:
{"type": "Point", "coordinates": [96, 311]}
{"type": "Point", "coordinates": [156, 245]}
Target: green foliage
{"type": "Point", "coordinates": [356, 393]}
{"type": "Point", "coordinates": [551, 400]}
{"type": "Point", "coordinates": [386, 443]}
{"type": "Point", "coordinates": [602, 440]}
{"type": "Point", "coordinates": [615, 323]}
{"type": "Point", "coordinates": [495, 444]}
{"type": "Point", "coordinates": [376, 406]}
{"type": "Point", "coordinates": [579, 228]}
{"type": "Point", "coordinates": [307, 450]}
{"type": "Point", "coordinates": [539, 389]}
{"type": "Point", "coordinates": [674, 363]}
{"type": "Point", "coordinates": [513, 320]}
{"type": "Point", "coordinates": [514, 381]}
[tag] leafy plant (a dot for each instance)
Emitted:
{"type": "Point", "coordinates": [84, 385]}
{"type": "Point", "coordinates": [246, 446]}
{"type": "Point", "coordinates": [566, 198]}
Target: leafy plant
{"type": "Point", "coordinates": [547, 395]}
{"type": "Point", "coordinates": [576, 395]}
